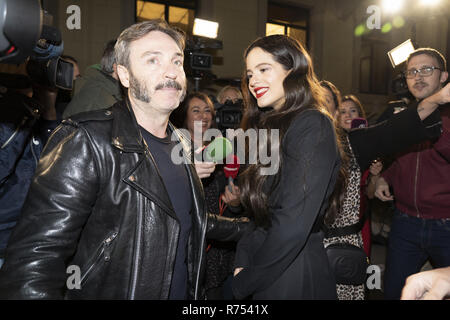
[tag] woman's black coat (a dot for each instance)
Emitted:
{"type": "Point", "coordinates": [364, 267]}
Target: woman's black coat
{"type": "Point", "coordinates": [288, 261]}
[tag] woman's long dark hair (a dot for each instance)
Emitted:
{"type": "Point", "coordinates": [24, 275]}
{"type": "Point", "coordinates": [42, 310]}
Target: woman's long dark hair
{"type": "Point", "coordinates": [302, 92]}
{"type": "Point", "coordinates": [335, 93]}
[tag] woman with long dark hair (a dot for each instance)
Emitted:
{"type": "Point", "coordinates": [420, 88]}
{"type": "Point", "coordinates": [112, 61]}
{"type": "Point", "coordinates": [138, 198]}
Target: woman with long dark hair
{"type": "Point", "coordinates": [283, 256]}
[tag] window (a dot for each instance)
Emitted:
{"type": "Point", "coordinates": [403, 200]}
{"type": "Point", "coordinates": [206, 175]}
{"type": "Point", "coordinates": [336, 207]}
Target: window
{"type": "Point", "coordinates": [180, 14]}
{"type": "Point", "coordinates": [292, 21]}
{"type": "Point", "coordinates": [374, 67]}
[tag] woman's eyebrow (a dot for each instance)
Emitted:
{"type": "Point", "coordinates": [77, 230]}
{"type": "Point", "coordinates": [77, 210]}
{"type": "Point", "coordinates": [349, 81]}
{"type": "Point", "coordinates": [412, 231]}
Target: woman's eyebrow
{"type": "Point", "coordinates": [259, 65]}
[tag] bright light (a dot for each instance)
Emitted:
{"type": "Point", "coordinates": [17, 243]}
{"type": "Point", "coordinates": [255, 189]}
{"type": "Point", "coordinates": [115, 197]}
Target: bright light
{"type": "Point", "coordinates": [401, 53]}
{"type": "Point", "coordinates": [205, 28]}
{"type": "Point", "coordinates": [430, 2]}
{"type": "Point", "coordinates": [392, 6]}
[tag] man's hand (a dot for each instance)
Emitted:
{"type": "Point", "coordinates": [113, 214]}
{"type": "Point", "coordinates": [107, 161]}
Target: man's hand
{"type": "Point", "coordinates": [231, 197]}
{"type": "Point", "coordinates": [382, 190]}
{"type": "Point", "coordinates": [443, 95]}
{"type": "Point", "coordinates": [204, 169]}
{"type": "Point", "coordinates": [237, 270]}
{"type": "Point", "coordinates": [428, 105]}
{"type": "Point", "coordinates": [428, 285]}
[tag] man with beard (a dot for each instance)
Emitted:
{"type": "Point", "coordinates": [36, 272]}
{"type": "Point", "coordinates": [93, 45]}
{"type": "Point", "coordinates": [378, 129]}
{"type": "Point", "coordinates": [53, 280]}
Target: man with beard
{"type": "Point", "coordinates": [109, 215]}
{"type": "Point", "coordinates": [420, 179]}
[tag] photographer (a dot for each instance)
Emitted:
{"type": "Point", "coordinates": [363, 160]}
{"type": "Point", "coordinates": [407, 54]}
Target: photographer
{"type": "Point", "coordinates": [27, 103]}
{"type": "Point", "coordinates": [228, 108]}
{"type": "Point", "coordinates": [25, 126]}
{"type": "Point", "coordinates": [229, 93]}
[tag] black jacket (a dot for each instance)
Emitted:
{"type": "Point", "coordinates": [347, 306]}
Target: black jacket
{"type": "Point", "coordinates": [288, 260]}
{"type": "Point", "coordinates": [23, 134]}
{"type": "Point", "coordinates": [394, 135]}
{"type": "Point", "coordinates": [95, 90]}
{"type": "Point", "coordinates": [97, 201]}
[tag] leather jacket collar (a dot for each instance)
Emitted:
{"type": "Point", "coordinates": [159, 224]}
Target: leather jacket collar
{"type": "Point", "coordinates": [131, 141]}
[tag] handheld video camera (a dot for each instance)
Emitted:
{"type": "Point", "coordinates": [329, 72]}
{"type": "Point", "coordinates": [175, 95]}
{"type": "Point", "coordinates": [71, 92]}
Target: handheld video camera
{"type": "Point", "coordinates": [198, 62]}
{"type": "Point", "coordinates": [26, 33]}
{"type": "Point", "coordinates": [229, 115]}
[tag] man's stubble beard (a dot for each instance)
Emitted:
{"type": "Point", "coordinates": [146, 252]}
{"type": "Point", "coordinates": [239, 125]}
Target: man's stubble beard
{"type": "Point", "coordinates": [138, 89]}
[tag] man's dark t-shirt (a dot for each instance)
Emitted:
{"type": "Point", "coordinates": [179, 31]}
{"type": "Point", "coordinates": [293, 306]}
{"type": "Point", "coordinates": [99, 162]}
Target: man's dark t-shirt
{"type": "Point", "coordinates": [177, 185]}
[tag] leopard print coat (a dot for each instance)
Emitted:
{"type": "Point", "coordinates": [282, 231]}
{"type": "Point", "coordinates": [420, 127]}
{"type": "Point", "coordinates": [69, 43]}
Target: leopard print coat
{"type": "Point", "coordinates": [349, 215]}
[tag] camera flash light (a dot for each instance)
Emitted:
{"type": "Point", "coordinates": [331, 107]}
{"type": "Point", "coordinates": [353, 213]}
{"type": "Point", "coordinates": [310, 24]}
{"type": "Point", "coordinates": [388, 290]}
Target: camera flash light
{"type": "Point", "coordinates": [205, 28]}
{"type": "Point", "coordinates": [401, 53]}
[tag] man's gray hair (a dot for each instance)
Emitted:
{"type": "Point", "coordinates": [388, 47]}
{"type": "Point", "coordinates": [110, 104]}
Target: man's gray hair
{"type": "Point", "coordinates": [139, 30]}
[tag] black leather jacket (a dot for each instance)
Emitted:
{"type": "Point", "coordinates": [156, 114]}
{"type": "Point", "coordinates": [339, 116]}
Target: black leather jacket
{"type": "Point", "coordinates": [98, 202]}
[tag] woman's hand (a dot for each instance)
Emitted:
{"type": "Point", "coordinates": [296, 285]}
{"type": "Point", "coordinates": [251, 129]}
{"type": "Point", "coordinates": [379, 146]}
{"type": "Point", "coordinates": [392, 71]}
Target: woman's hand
{"type": "Point", "coordinates": [231, 198]}
{"type": "Point", "coordinates": [237, 270]}
{"type": "Point", "coordinates": [382, 190]}
{"type": "Point", "coordinates": [374, 170]}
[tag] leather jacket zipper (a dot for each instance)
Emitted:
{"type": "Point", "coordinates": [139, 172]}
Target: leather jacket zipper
{"type": "Point", "coordinates": [202, 250]}
{"type": "Point", "coordinates": [103, 251]}
{"type": "Point", "coordinates": [137, 250]}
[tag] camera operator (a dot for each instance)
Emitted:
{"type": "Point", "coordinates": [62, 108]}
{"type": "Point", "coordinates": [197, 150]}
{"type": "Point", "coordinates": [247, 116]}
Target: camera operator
{"type": "Point", "coordinates": [27, 104]}
{"type": "Point", "coordinates": [228, 108]}
{"type": "Point", "coordinates": [25, 126]}
{"type": "Point", "coordinates": [229, 93]}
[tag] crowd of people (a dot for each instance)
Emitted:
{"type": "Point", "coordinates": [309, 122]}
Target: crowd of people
{"type": "Point", "coordinates": [105, 195]}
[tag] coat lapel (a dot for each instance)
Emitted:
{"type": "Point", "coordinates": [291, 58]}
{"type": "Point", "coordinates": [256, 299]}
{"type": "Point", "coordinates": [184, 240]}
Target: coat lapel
{"type": "Point", "coordinates": [195, 182]}
{"type": "Point", "coordinates": [143, 175]}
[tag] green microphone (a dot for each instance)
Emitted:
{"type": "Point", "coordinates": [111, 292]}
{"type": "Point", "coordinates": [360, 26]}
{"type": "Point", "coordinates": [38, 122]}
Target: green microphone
{"type": "Point", "coordinates": [218, 149]}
